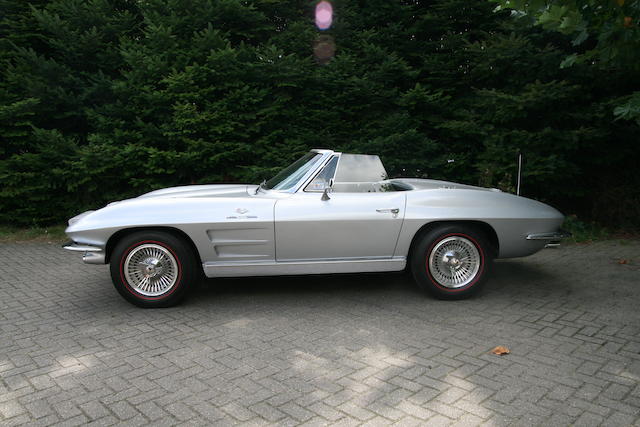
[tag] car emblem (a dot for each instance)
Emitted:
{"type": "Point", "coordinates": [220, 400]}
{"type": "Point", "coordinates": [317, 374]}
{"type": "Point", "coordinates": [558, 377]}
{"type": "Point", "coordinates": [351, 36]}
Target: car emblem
{"type": "Point", "coordinates": [242, 211]}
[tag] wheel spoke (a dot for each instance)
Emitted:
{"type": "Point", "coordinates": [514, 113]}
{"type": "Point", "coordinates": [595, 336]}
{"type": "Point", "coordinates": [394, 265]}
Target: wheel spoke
{"type": "Point", "coordinates": [454, 262]}
{"type": "Point", "coordinates": [151, 269]}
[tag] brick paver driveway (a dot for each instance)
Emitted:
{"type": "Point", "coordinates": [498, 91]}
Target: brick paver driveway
{"type": "Point", "coordinates": [366, 349]}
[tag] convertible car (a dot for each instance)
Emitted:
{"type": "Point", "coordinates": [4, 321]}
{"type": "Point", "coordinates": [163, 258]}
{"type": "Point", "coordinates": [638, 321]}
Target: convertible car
{"type": "Point", "coordinates": [327, 212]}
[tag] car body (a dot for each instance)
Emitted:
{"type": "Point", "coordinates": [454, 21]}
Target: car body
{"type": "Point", "coordinates": [328, 212]}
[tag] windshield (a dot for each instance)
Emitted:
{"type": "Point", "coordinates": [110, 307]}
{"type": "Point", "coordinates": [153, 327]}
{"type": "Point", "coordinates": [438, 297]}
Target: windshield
{"type": "Point", "coordinates": [288, 177]}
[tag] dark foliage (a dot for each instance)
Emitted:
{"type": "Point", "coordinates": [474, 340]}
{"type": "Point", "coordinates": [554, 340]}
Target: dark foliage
{"type": "Point", "coordinates": [106, 99]}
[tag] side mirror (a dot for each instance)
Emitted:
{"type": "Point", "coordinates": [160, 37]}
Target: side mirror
{"type": "Point", "coordinates": [327, 190]}
{"type": "Point", "coordinates": [325, 195]}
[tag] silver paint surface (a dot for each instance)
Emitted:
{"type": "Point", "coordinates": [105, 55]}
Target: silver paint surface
{"type": "Point", "coordinates": [241, 230]}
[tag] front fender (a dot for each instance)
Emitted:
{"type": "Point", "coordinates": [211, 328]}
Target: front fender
{"type": "Point", "coordinates": [201, 219]}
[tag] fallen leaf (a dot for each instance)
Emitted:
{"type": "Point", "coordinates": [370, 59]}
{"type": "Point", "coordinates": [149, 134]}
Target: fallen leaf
{"type": "Point", "coordinates": [500, 350]}
{"type": "Point", "coordinates": [623, 261]}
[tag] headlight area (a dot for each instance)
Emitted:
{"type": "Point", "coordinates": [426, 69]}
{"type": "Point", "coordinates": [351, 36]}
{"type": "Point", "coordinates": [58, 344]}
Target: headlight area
{"type": "Point", "coordinates": [79, 217]}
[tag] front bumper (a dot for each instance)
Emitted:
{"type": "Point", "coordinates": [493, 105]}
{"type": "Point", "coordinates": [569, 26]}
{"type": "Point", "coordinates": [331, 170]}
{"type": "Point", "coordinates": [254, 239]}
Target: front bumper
{"type": "Point", "coordinates": [92, 254]}
{"type": "Point", "coordinates": [553, 238]}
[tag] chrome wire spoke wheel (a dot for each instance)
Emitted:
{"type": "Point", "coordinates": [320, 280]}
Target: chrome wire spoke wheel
{"type": "Point", "coordinates": [454, 262]}
{"type": "Point", "coordinates": [151, 270]}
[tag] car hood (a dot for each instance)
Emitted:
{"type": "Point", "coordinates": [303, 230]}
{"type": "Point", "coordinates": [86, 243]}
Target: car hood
{"type": "Point", "coordinates": [213, 190]}
{"type": "Point", "coordinates": [159, 198]}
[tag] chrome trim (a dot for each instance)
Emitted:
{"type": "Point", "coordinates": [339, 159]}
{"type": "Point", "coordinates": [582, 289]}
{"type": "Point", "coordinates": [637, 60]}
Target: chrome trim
{"type": "Point", "coordinates": [326, 156]}
{"type": "Point", "coordinates": [92, 254]}
{"type": "Point", "coordinates": [94, 258]}
{"type": "Point", "coordinates": [325, 195]}
{"type": "Point", "coordinates": [556, 235]}
{"type": "Point", "coordinates": [281, 268]}
{"type": "Point", "coordinates": [306, 180]}
{"type": "Point", "coordinates": [151, 270]}
{"type": "Point", "coordinates": [319, 171]}
{"type": "Point", "coordinates": [454, 262]}
{"type": "Point", "coordinates": [389, 210]}
{"type": "Point", "coordinates": [77, 247]}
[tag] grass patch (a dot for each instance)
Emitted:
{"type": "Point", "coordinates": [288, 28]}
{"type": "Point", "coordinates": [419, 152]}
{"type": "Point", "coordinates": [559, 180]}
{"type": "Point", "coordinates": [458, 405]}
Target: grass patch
{"type": "Point", "coordinates": [584, 232]}
{"type": "Point", "coordinates": [54, 233]}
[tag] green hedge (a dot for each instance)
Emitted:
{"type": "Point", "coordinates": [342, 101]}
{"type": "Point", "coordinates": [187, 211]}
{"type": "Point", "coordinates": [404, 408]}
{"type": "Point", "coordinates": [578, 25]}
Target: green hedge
{"type": "Point", "coordinates": [101, 100]}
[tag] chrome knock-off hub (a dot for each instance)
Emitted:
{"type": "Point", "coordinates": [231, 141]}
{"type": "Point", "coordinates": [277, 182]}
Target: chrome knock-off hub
{"type": "Point", "coordinates": [454, 262]}
{"type": "Point", "coordinates": [151, 269]}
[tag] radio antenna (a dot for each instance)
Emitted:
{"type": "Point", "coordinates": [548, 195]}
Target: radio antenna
{"type": "Point", "coordinates": [519, 172]}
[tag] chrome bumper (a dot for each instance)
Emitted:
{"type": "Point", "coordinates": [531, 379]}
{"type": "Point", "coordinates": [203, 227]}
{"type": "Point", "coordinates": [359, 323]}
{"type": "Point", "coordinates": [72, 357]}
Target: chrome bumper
{"type": "Point", "coordinates": [92, 254]}
{"type": "Point", "coordinates": [553, 238]}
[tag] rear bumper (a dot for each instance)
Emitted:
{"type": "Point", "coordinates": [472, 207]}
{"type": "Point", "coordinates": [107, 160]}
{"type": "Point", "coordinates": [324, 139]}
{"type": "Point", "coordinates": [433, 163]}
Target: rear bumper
{"type": "Point", "coordinates": [552, 238]}
{"type": "Point", "coordinates": [91, 254]}
{"type": "Point", "coordinates": [556, 235]}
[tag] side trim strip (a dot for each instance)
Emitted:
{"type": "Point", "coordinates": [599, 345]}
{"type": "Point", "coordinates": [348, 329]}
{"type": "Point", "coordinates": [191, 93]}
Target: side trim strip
{"type": "Point", "coordinates": [271, 268]}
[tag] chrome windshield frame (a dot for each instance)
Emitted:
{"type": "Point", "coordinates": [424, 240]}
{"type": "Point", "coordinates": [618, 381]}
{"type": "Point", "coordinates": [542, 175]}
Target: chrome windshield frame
{"type": "Point", "coordinates": [307, 177]}
{"type": "Point", "coordinates": [327, 155]}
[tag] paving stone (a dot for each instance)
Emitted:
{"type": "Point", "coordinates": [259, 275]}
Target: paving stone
{"type": "Point", "coordinates": [123, 410]}
{"type": "Point", "coordinates": [94, 410]}
{"type": "Point", "coordinates": [11, 409]}
{"type": "Point", "coordinates": [616, 391]}
{"type": "Point", "coordinates": [618, 419]}
{"type": "Point", "coordinates": [326, 411]}
{"type": "Point", "coordinates": [344, 350]}
{"type": "Point", "coordinates": [180, 411]}
{"type": "Point", "coordinates": [589, 419]}
{"type": "Point", "coordinates": [267, 412]}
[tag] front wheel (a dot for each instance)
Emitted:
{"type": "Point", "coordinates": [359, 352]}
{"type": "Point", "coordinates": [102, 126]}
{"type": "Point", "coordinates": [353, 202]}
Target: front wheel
{"type": "Point", "coordinates": [452, 261]}
{"type": "Point", "coordinates": [153, 268]}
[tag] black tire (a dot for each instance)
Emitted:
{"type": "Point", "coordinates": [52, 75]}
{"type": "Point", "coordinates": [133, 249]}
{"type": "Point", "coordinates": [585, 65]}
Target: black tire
{"type": "Point", "coordinates": [165, 261]}
{"type": "Point", "coordinates": [437, 276]}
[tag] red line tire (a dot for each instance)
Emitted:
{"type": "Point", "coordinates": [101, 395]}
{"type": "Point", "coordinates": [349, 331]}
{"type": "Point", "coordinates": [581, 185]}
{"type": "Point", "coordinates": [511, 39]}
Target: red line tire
{"type": "Point", "coordinates": [153, 269]}
{"type": "Point", "coordinates": [452, 261]}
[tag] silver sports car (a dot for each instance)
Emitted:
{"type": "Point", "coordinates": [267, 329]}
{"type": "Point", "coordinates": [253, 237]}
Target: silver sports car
{"type": "Point", "coordinates": [327, 212]}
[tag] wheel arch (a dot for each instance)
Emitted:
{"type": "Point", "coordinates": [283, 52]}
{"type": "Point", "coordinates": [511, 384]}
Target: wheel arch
{"type": "Point", "coordinates": [120, 234]}
{"type": "Point", "coordinates": [483, 227]}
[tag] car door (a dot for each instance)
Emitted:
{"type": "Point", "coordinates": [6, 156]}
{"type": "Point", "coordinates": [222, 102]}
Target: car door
{"type": "Point", "coordinates": [347, 226]}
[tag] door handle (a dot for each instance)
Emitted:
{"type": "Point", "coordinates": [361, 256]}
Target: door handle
{"type": "Point", "coordinates": [394, 211]}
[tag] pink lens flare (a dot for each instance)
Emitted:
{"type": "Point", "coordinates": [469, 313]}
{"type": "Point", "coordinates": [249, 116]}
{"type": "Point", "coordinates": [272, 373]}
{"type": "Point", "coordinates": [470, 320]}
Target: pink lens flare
{"type": "Point", "coordinates": [324, 15]}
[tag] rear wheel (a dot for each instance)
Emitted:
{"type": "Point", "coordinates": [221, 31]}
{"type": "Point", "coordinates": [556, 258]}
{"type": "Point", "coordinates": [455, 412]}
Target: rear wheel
{"type": "Point", "coordinates": [153, 268]}
{"type": "Point", "coordinates": [452, 261]}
